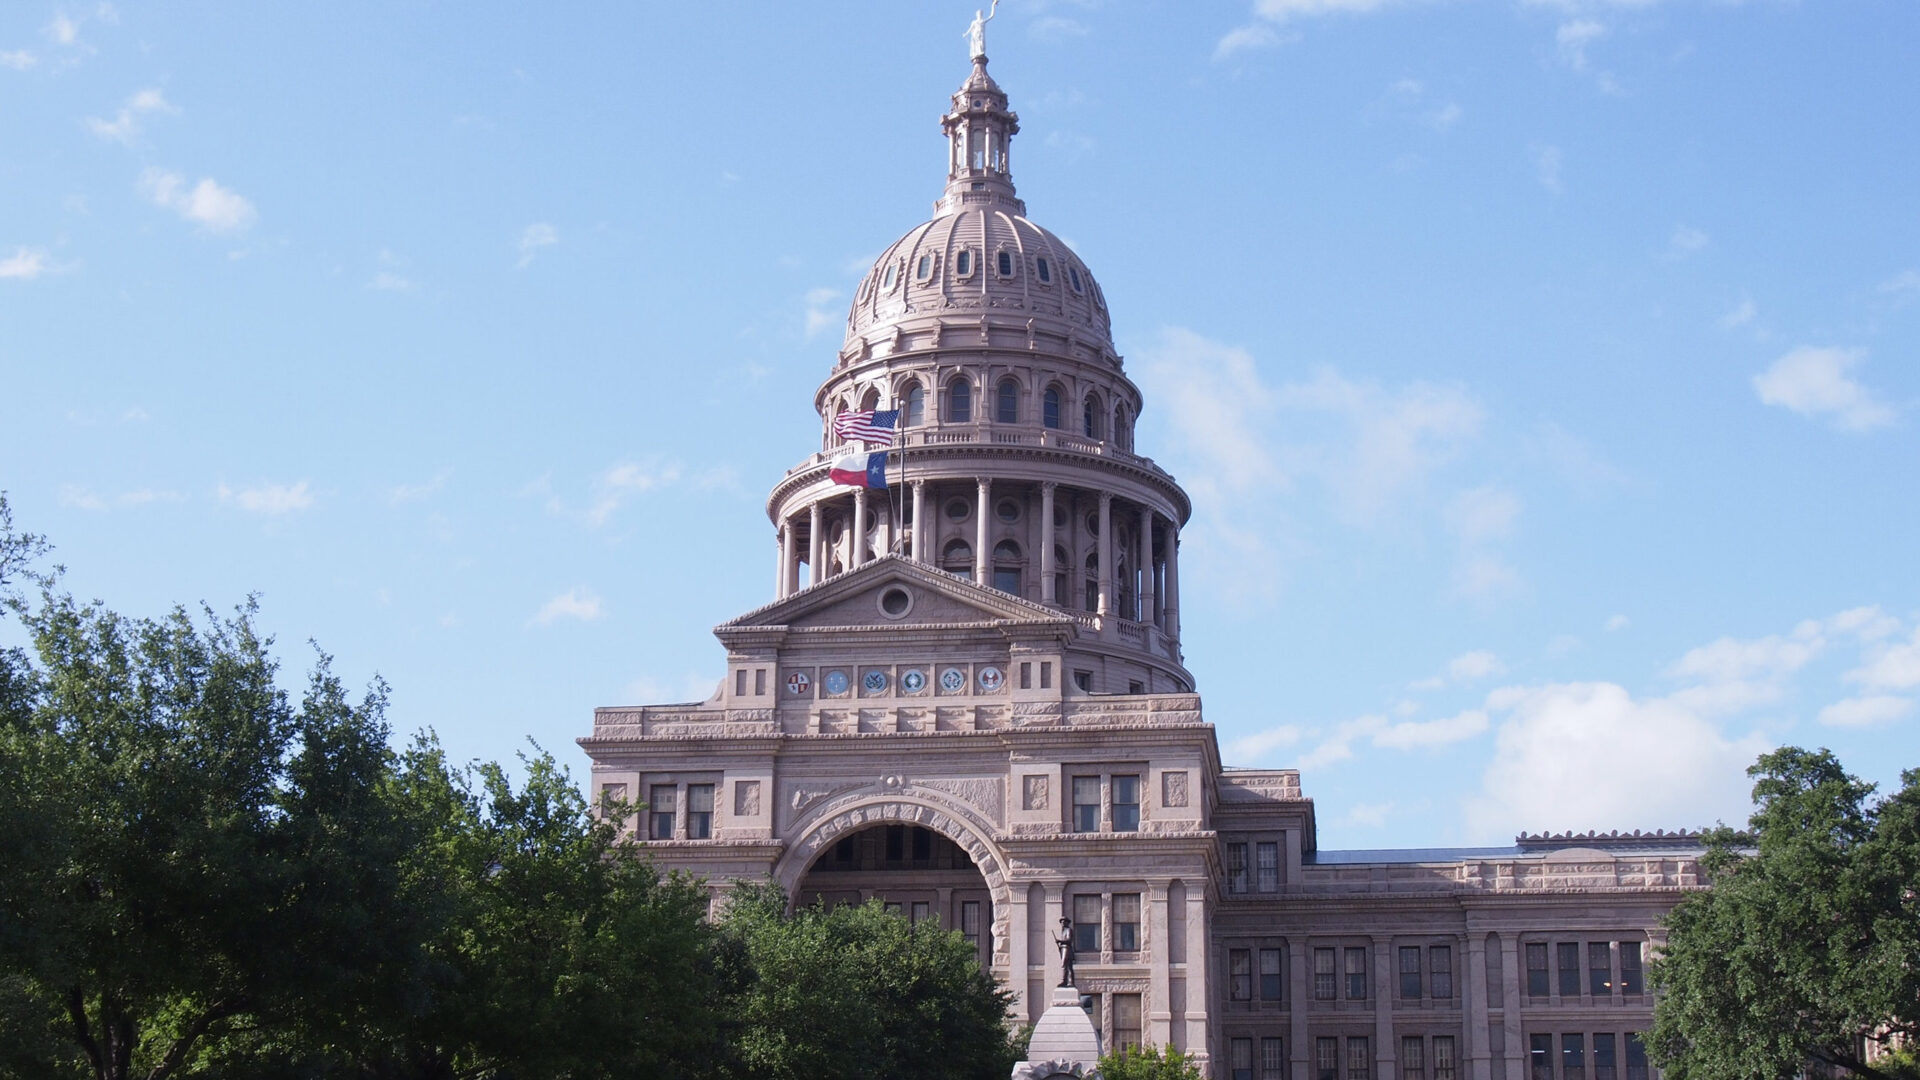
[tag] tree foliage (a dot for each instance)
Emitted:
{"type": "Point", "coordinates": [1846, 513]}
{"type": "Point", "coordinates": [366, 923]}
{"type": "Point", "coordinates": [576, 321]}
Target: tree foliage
{"type": "Point", "coordinates": [1148, 1063]}
{"type": "Point", "coordinates": [1808, 944]}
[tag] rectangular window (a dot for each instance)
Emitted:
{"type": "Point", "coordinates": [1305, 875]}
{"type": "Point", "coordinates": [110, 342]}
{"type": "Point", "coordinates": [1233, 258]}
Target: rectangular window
{"type": "Point", "coordinates": [1026, 675]}
{"type": "Point", "coordinates": [1266, 859]}
{"type": "Point", "coordinates": [1236, 868]}
{"type": "Point", "coordinates": [1440, 971]}
{"type": "Point", "coordinates": [1603, 1062]}
{"type": "Point", "coordinates": [922, 844]}
{"type": "Point", "coordinates": [1600, 969]}
{"type": "Point", "coordinates": [1273, 1060]}
{"type": "Point", "coordinates": [920, 912]}
{"type": "Point", "coordinates": [1086, 924]}
{"type": "Point", "coordinates": [1537, 969]}
{"type": "Point", "coordinates": [893, 907]}
{"type": "Point", "coordinates": [699, 811]}
{"type": "Point", "coordinates": [1632, 983]}
{"type": "Point", "coordinates": [1046, 671]}
{"type": "Point", "coordinates": [1413, 1061]}
{"type": "Point", "coordinates": [1323, 975]}
{"type": "Point", "coordinates": [612, 795]}
{"type": "Point", "coordinates": [1126, 804]}
{"type": "Point", "coordinates": [1443, 1057]}
{"type": "Point", "coordinates": [1086, 804]}
{"type": "Point", "coordinates": [1540, 1052]}
{"type": "Point", "coordinates": [1239, 975]}
{"type": "Point", "coordinates": [1126, 1020]}
{"type": "Point", "coordinates": [1567, 956]}
{"type": "Point", "coordinates": [1636, 1057]}
{"type": "Point", "coordinates": [896, 843]}
{"type": "Point", "coordinates": [740, 683]}
{"type": "Point", "coordinates": [661, 804]}
{"type": "Point", "coordinates": [970, 921]}
{"type": "Point", "coordinates": [759, 681]}
{"type": "Point", "coordinates": [1271, 962]}
{"type": "Point", "coordinates": [1359, 1058]}
{"type": "Point", "coordinates": [1326, 1059]}
{"type": "Point", "coordinates": [1357, 974]}
{"type": "Point", "coordinates": [1240, 1058]}
{"type": "Point", "coordinates": [1126, 922]}
{"type": "Point", "coordinates": [1410, 972]}
{"type": "Point", "coordinates": [1573, 1057]}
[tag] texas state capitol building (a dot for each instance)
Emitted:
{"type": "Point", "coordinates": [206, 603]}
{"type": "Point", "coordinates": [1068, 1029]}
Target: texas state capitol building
{"type": "Point", "coordinates": [976, 709]}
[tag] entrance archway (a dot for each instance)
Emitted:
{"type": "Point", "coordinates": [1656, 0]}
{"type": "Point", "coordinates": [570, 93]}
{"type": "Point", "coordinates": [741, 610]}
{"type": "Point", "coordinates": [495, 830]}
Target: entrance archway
{"type": "Point", "coordinates": [912, 870]}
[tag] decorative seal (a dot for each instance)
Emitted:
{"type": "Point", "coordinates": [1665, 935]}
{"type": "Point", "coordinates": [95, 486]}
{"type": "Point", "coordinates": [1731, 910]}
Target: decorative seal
{"type": "Point", "coordinates": [991, 679]}
{"type": "Point", "coordinates": [913, 680]}
{"type": "Point", "coordinates": [835, 682]}
{"type": "Point", "coordinates": [953, 680]}
{"type": "Point", "coordinates": [798, 684]}
{"type": "Point", "coordinates": [874, 682]}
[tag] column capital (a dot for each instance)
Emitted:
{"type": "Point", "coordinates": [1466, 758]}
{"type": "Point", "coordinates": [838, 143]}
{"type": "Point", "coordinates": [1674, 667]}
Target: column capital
{"type": "Point", "coordinates": [1049, 485]}
{"type": "Point", "coordinates": [1106, 499]}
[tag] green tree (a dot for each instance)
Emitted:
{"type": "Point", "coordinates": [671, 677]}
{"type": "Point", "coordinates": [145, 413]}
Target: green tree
{"type": "Point", "coordinates": [846, 992]}
{"type": "Point", "coordinates": [1148, 1063]}
{"type": "Point", "coordinates": [1808, 944]}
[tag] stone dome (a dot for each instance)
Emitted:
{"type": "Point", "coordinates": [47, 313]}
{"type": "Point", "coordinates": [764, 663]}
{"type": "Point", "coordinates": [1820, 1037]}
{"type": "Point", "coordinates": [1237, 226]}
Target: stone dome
{"type": "Point", "coordinates": [973, 262]}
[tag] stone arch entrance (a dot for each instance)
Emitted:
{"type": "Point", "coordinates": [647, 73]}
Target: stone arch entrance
{"type": "Point", "coordinates": [960, 864]}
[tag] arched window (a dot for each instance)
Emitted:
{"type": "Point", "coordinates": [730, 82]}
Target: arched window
{"type": "Point", "coordinates": [870, 401]}
{"type": "Point", "coordinates": [963, 263]}
{"type": "Point", "coordinates": [960, 401]}
{"type": "Point", "coordinates": [916, 406]}
{"type": "Point", "coordinates": [1005, 266]}
{"type": "Point", "coordinates": [1043, 270]}
{"type": "Point", "coordinates": [1006, 408]}
{"type": "Point", "coordinates": [1050, 407]}
{"type": "Point", "coordinates": [888, 277]}
{"type": "Point", "coordinates": [923, 269]}
{"type": "Point", "coordinates": [1006, 567]}
{"type": "Point", "coordinates": [1073, 275]}
{"type": "Point", "coordinates": [957, 558]}
{"type": "Point", "coordinates": [1122, 427]}
{"type": "Point", "coordinates": [1090, 417]}
{"type": "Point", "coordinates": [1062, 565]}
{"type": "Point", "coordinates": [1093, 581]}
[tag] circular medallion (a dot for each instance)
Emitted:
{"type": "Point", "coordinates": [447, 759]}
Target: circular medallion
{"type": "Point", "coordinates": [990, 679]}
{"type": "Point", "coordinates": [913, 680]}
{"type": "Point", "coordinates": [835, 682]}
{"type": "Point", "coordinates": [798, 684]}
{"type": "Point", "coordinates": [953, 680]}
{"type": "Point", "coordinates": [874, 681]}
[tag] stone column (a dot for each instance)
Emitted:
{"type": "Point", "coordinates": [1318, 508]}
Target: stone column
{"type": "Point", "coordinates": [919, 530]}
{"type": "Point", "coordinates": [816, 546]}
{"type": "Point", "coordinates": [1299, 1052]}
{"type": "Point", "coordinates": [859, 539]}
{"type": "Point", "coordinates": [1473, 987]}
{"type": "Point", "coordinates": [1510, 999]}
{"type": "Point", "coordinates": [1017, 931]}
{"type": "Point", "coordinates": [783, 555]}
{"type": "Point", "coordinates": [1159, 1018]}
{"type": "Point", "coordinates": [1047, 569]}
{"type": "Point", "coordinates": [1199, 974]}
{"type": "Point", "coordinates": [1106, 553]}
{"type": "Point", "coordinates": [1385, 1053]}
{"type": "Point", "coordinates": [1173, 579]}
{"type": "Point", "coordinates": [1146, 564]}
{"type": "Point", "coordinates": [982, 507]}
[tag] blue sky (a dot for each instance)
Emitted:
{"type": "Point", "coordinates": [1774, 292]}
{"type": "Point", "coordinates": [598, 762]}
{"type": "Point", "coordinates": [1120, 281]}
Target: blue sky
{"type": "Point", "coordinates": [1544, 373]}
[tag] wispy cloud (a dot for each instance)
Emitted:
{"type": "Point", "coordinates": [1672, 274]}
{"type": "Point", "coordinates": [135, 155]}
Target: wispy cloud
{"type": "Point", "coordinates": [1573, 37]}
{"type": "Point", "coordinates": [1546, 167]}
{"type": "Point", "coordinates": [206, 204]}
{"type": "Point", "coordinates": [1739, 315]}
{"type": "Point", "coordinates": [533, 238]}
{"type": "Point", "coordinates": [406, 493]}
{"type": "Point", "coordinates": [18, 59]}
{"type": "Point", "coordinates": [62, 29]}
{"type": "Point", "coordinates": [1686, 240]}
{"type": "Point", "coordinates": [25, 264]}
{"type": "Point", "coordinates": [125, 125]}
{"type": "Point", "coordinates": [82, 498]}
{"type": "Point", "coordinates": [1878, 710]}
{"type": "Point", "coordinates": [1817, 381]}
{"type": "Point", "coordinates": [820, 310]}
{"type": "Point", "coordinates": [270, 499]}
{"type": "Point", "coordinates": [389, 278]}
{"type": "Point", "coordinates": [576, 603]}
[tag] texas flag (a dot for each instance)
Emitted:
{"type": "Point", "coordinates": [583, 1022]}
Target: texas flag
{"type": "Point", "coordinates": [860, 470]}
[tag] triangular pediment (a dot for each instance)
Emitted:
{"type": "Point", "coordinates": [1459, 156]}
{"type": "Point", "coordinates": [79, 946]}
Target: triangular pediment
{"type": "Point", "coordinates": [899, 593]}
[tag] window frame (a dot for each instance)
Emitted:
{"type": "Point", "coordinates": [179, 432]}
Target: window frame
{"type": "Point", "coordinates": [959, 400]}
{"type": "Point", "coordinates": [1006, 401]}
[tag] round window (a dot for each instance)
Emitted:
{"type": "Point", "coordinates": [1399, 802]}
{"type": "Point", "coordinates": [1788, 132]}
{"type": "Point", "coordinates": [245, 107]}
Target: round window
{"type": "Point", "coordinates": [1093, 524]}
{"type": "Point", "coordinates": [895, 602]}
{"type": "Point", "coordinates": [1008, 510]}
{"type": "Point", "coordinates": [957, 509]}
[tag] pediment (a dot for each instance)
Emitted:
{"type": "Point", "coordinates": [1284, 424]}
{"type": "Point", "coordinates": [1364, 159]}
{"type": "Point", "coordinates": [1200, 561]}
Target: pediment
{"type": "Point", "coordinates": [871, 597]}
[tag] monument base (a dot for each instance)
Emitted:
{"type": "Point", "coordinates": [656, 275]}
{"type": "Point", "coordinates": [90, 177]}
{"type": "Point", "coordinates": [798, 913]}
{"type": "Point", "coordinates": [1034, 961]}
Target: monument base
{"type": "Point", "coordinates": [1064, 1043]}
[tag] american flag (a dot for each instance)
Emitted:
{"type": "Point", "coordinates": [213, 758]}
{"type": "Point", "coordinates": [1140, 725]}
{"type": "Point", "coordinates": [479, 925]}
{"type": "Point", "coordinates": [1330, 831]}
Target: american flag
{"type": "Point", "coordinates": [867, 427]}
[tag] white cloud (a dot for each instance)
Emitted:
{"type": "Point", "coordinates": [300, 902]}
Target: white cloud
{"type": "Point", "coordinates": [1903, 286]}
{"type": "Point", "coordinates": [126, 122]}
{"type": "Point", "coordinates": [1487, 577]}
{"type": "Point", "coordinates": [1473, 666]}
{"type": "Point", "coordinates": [1216, 401]}
{"type": "Point", "coordinates": [1860, 712]}
{"type": "Point", "coordinates": [1446, 116]}
{"type": "Point", "coordinates": [388, 281]}
{"type": "Point", "coordinates": [25, 264]}
{"type": "Point", "coordinates": [1741, 315]}
{"type": "Point", "coordinates": [1483, 513]}
{"type": "Point", "coordinates": [406, 493]}
{"type": "Point", "coordinates": [62, 29]}
{"type": "Point", "coordinates": [1397, 436]}
{"type": "Point", "coordinates": [1420, 734]}
{"type": "Point", "coordinates": [1370, 815]}
{"type": "Point", "coordinates": [1281, 10]}
{"type": "Point", "coordinates": [1577, 464]}
{"type": "Point", "coordinates": [1244, 39]}
{"type": "Point", "coordinates": [1894, 666]}
{"type": "Point", "coordinates": [1617, 623]}
{"type": "Point", "coordinates": [81, 499]}
{"type": "Point", "coordinates": [1815, 381]}
{"type": "Point", "coordinates": [534, 237]}
{"type": "Point", "coordinates": [691, 686]}
{"type": "Point", "coordinates": [18, 59]}
{"type": "Point", "coordinates": [1583, 755]}
{"type": "Point", "coordinates": [1686, 240]}
{"type": "Point", "coordinates": [268, 498]}
{"type": "Point", "coordinates": [1868, 623]}
{"type": "Point", "coordinates": [575, 603]}
{"type": "Point", "coordinates": [1574, 36]}
{"type": "Point", "coordinates": [1251, 749]}
{"type": "Point", "coordinates": [1546, 167]}
{"type": "Point", "coordinates": [820, 315]}
{"type": "Point", "coordinates": [206, 204]}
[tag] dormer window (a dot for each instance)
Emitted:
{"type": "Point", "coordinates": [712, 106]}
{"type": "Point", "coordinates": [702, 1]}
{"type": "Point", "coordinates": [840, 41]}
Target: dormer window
{"type": "Point", "coordinates": [1073, 278]}
{"type": "Point", "coordinates": [889, 277]}
{"type": "Point", "coordinates": [1006, 264]}
{"type": "Point", "coordinates": [963, 263]}
{"type": "Point", "coordinates": [923, 270]}
{"type": "Point", "coordinates": [1044, 271]}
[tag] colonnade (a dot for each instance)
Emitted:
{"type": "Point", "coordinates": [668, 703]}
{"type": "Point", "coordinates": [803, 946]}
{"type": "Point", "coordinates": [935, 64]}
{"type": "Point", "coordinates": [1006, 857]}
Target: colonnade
{"type": "Point", "coordinates": [920, 542]}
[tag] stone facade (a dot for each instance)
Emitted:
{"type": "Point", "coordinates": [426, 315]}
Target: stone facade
{"type": "Point", "coordinates": [968, 699]}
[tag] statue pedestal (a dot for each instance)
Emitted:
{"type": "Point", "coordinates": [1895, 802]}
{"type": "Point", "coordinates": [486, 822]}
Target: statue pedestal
{"type": "Point", "coordinates": [1064, 1043]}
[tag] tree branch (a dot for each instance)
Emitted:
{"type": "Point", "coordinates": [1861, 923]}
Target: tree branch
{"type": "Point", "coordinates": [177, 1053]}
{"type": "Point", "coordinates": [1851, 1064]}
{"type": "Point", "coordinates": [77, 1011]}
